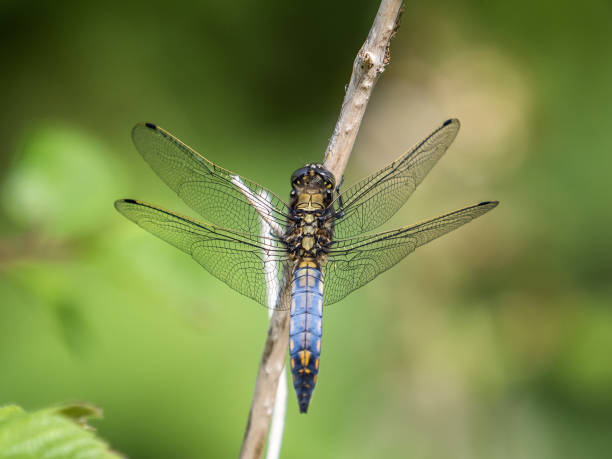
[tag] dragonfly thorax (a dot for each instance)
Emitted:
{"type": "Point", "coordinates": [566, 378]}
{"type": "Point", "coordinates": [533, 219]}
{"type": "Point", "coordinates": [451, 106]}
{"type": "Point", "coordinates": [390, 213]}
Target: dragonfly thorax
{"type": "Point", "coordinates": [310, 231]}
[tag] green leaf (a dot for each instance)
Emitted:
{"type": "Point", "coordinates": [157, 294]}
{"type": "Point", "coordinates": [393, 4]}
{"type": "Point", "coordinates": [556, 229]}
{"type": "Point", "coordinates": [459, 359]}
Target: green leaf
{"type": "Point", "coordinates": [60, 182]}
{"type": "Point", "coordinates": [59, 432]}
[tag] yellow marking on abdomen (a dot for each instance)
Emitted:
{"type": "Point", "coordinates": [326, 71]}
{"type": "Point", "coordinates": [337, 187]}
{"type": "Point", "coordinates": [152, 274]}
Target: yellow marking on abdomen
{"type": "Point", "coordinates": [304, 358]}
{"type": "Point", "coordinates": [307, 264]}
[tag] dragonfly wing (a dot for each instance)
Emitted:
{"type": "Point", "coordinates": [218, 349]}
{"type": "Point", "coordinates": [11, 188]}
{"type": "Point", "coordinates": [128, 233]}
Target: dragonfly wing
{"type": "Point", "coordinates": [355, 262]}
{"type": "Point", "coordinates": [374, 200]}
{"type": "Point", "coordinates": [223, 198]}
{"type": "Point", "coordinates": [251, 265]}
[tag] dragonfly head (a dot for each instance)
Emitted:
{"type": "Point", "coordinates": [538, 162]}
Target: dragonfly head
{"type": "Point", "coordinates": [313, 175]}
{"type": "Point", "coordinates": [312, 185]}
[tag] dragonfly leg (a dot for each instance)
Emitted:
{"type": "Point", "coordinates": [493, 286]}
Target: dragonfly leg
{"type": "Point", "coordinates": [340, 211]}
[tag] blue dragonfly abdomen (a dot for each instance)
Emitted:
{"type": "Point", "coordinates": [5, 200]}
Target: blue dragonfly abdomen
{"type": "Point", "coordinates": [305, 331]}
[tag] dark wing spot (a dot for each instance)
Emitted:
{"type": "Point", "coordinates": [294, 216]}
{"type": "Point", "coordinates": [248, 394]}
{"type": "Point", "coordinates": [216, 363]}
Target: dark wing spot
{"type": "Point", "coordinates": [447, 122]}
{"type": "Point", "coordinates": [151, 126]}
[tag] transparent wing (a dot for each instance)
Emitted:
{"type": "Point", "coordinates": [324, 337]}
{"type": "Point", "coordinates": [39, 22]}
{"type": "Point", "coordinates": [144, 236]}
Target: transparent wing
{"type": "Point", "coordinates": [251, 265]}
{"type": "Point", "coordinates": [355, 262]}
{"type": "Point", "coordinates": [374, 200]}
{"type": "Point", "coordinates": [223, 198]}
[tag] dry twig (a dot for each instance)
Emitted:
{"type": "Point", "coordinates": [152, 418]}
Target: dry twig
{"type": "Point", "coordinates": [369, 64]}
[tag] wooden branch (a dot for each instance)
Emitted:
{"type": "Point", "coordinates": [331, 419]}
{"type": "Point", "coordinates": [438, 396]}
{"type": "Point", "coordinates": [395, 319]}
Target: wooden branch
{"type": "Point", "coordinates": [277, 426]}
{"type": "Point", "coordinates": [271, 365]}
{"type": "Point", "coordinates": [370, 62]}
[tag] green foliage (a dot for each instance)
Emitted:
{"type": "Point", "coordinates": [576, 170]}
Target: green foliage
{"type": "Point", "coordinates": [59, 432]}
{"type": "Point", "coordinates": [55, 162]}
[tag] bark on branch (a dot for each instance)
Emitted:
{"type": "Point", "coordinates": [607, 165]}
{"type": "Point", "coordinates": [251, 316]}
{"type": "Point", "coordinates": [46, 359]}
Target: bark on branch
{"type": "Point", "coordinates": [370, 62]}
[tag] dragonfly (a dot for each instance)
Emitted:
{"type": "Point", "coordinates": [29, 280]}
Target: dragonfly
{"type": "Point", "coordinates": [320, 243]}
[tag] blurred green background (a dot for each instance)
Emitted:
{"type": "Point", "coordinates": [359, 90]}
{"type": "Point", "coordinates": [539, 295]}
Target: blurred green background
{"type": "Point", "coordinates": [493, 342]}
